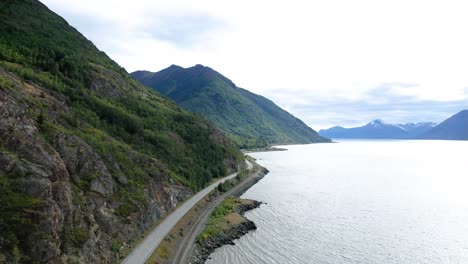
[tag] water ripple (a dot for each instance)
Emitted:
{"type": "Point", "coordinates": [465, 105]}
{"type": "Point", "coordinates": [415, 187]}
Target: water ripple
{"type": "Point", "coordinates": [358, 202]}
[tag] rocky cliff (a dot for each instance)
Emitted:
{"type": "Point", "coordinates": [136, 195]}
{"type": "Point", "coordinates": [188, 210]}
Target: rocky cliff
{"type": "Point", "coordinates": [89, 158]}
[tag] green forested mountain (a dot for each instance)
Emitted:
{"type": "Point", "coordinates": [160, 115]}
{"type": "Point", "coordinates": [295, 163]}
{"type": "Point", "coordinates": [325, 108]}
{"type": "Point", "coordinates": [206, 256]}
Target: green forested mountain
{"type": "Point", "coordinates": [89, 158]}
{"type": "Point", "coordinates": [249, 119]}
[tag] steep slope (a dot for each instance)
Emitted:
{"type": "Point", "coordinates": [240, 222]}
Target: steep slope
{"type": "Point", "coordinates": [89, 158]}
{"type": "Point", "coordinates": [454, 128]}
{"type": "Point", "coordinates": [377, 129]}
{"type": "Point", "coordinates": [251, 120]}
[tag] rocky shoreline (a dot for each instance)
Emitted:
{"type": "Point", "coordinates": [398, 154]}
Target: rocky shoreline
{"type": "Point", "coordinates": [203, 250]}
{"type": "Point", "coordinates": [265, 149]}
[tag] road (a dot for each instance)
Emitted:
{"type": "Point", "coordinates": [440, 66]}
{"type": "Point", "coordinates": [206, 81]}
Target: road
{"type": "Point", "coordinates": [184, 252]}
{"type": "Point", "coordinates": [143, 251]}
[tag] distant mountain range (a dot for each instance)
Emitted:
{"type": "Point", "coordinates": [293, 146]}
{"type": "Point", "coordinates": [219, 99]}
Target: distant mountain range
{"type": "Point", "coordinates": [454, 128]}
{"type": "Point", "coordinates": [249, 119]}
{"type": "Point", "coordinates": [377, 129]}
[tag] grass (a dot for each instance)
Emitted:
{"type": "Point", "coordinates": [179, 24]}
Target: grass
{"type": "Point", "coordinates": [5, 83]}
{"type": "Point", "coordinates": [163, 252]}
{"type": "Point", "coordinates": [172, 239]}
{"type": "Point", "coordinates": [217, 220]}
{"type": "Point", "coordinates": [116, 246]}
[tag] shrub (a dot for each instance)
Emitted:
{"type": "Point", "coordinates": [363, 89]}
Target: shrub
{"type": "Point", "coordinates": [116, 246]}
{"type": "Point", "coordinates": [80, 236]}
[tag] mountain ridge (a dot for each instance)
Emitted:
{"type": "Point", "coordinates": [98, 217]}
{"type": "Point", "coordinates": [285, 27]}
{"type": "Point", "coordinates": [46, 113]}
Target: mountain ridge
{"type": "Point", "coordinates": [377, 129]}
{"type": "Point", "coordinates": [453, 128]}
{"type": "Point", "coordinates": [249, 119]}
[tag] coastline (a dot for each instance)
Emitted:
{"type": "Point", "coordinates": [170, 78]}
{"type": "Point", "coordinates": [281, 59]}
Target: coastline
{"type": "Point", "coordinates": [142, 251]}
{"type": "Point", "coordinates": [265, 149]}
{"type": "Point", "coordinates": [234, 229]}
{"type": "Point", "coordinates": [179, 244]}
{"type": "Point", "coordinates": [203, 250]}
{"type": "Point", "coordinates": [281, 147]}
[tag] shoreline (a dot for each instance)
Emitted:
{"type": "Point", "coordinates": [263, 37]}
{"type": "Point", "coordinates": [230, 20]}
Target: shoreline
{"type": "Point", "coordinates": [265, 149]}
{"type": "Point", "coordinates": [144, 249]}
{"type": "Point", "coordinates": [280, 147]}
{"type": "Point", "coordinates": [203, 250]}
{"type": "Point", "coordinates": [178, 245]}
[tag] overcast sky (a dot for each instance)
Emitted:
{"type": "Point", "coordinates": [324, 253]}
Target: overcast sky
{"type": "Point", "coordinates": [327, 62]}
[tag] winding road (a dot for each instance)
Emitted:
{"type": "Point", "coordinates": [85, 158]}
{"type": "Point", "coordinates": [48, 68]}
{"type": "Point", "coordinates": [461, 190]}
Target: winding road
{"type": "Point", "coordinates": [184, 251]}
{"type": "Point", "coordinates": [143, 251]}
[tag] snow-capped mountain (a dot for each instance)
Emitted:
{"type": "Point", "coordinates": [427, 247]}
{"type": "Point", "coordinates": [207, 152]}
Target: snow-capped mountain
{"type": "Point", "coordinates": [378, 129]}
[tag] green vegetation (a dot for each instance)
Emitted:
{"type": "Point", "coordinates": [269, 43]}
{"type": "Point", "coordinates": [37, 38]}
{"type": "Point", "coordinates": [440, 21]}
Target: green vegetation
{"type": "Point", "coordinates": [217, 219]}
{"type": "Point", "coordinates": [116, 246]}
{"type": "Point", "coordinates": [5, 83]}
{"type": "Point", "coordinates": [75, 94]}
{"type": "Point", "coordinates": [169, 238]}
{"type": "Point", "coordinates": [16, 222]}
{"type": "Point", "coordinates": [163, 252]}
{"type": "Point", "coordinates": [80, 236]}
{"type": "Point", "coordinates": [40, 46]}
{"type": "Point", "coordinates": [250, 120]}
{"type": "Point", "coordinates": [228, 184]}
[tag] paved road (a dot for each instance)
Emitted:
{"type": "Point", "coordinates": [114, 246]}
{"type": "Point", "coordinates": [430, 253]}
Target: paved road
{"type": "Point", "coordinates": [184, 252]}
{"type": "Point", "coordinates": [145, 249]}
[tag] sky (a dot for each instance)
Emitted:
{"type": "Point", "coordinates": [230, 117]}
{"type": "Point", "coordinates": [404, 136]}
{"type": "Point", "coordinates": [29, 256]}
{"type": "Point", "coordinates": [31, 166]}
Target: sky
{"type": "Point", "coordinates": [327, 62]}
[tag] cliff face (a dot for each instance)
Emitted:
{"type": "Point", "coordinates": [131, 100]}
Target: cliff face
{"type": "Point", "coordinates": [83, 212]}
{"type": "Point", "coordinates": [89, 158]}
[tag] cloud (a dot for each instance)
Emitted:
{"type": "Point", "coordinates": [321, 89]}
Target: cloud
{"type": "Point", "coordinates": [325, 61]}
{"type": "Point", "coordinates": [138, 21]}
{"type": "Point", "coordinates": [381, 102]}
{"type": "Point", "coordinates": [184, 31]}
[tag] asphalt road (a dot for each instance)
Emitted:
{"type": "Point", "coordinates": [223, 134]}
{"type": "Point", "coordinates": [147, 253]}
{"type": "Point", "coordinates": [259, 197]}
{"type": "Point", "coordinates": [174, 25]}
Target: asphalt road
{"type": "Point", "coordinates": [184, 252]}
{"type": "Point", "coordinates": [145, 249]}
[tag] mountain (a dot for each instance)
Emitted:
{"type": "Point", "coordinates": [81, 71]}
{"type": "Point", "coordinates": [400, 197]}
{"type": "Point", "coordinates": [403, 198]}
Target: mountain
{"type": "Point", "coordinates": [415, 130]}
{"type": "Point", "coordinates": [454, 128]}
{"type": "Point", "coordinates": [249, 119]}
{"type": "Point", "coordinates": [89, 157]}
{"type": "Point", "coordinates": [377, 129]}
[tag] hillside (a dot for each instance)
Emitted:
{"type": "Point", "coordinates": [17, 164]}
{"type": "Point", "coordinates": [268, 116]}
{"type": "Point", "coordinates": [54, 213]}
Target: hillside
{"type": "Point", "coordinates": [89, 157]}
{"type": "Point", "coordinates": [249, 119]}
{"type": "Point", "coordinates": [377, 129]}
{"type": "Point", "coordinates": [454, 128]}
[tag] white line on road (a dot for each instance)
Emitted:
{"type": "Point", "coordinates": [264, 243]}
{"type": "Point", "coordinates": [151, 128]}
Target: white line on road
{"type": "Point", "coordinates": [145, 249]}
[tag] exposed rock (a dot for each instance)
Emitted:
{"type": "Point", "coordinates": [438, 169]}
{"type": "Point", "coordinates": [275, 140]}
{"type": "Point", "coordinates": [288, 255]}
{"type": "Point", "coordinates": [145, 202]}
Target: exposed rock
{"type": "Point", "coordinates": [79, 188]}
{"type": "Point", "coordinates": [89, 157]}
{"type": "Point", "coordinates": [82, 161]}
{"type": "Point", "coordinates": [203, 250]}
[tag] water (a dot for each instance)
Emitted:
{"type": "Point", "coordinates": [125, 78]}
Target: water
{"type": "Point", "coordinates": [359, 202]}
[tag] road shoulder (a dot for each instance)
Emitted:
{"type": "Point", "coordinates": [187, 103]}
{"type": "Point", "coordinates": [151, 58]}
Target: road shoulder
{"type": "Point", "coordinates": [178, 246]}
